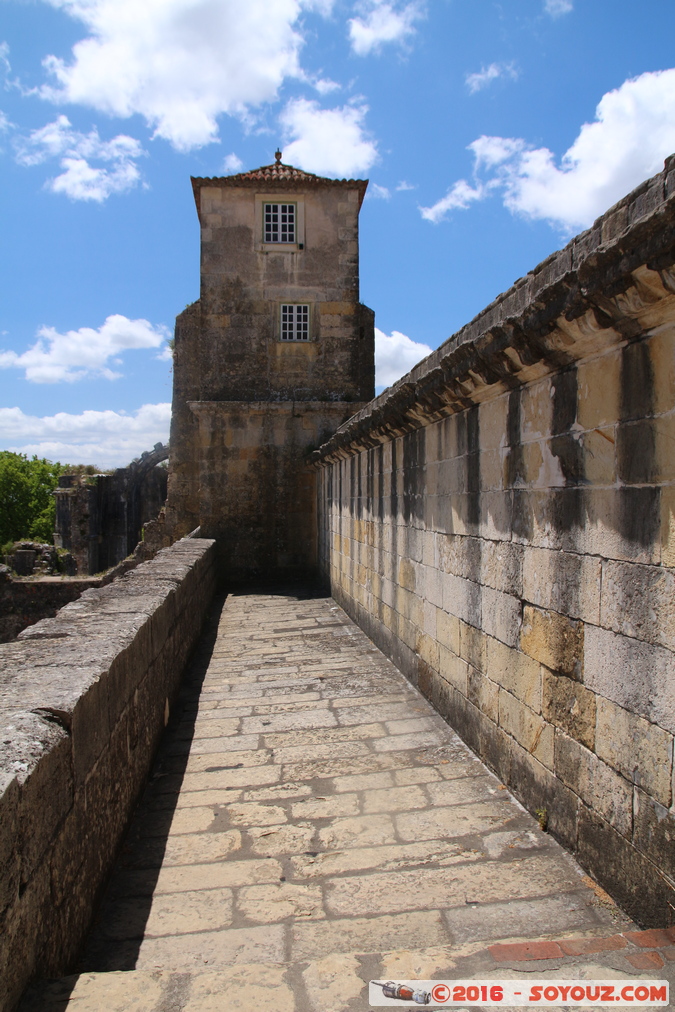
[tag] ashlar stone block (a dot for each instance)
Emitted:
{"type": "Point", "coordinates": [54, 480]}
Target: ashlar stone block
{"type": "Point", "coordinates": [528, 728]}
{"type": "Point", "coordinates": [650, 689]}
{"type": "Point", "coordinates": [570, 706]}
{"type": "Point", "coordinates": [502, 567]}
{"type": "Point", "coordinates": [654, 831]}
{"type": "Point", "coordinates": [462, 598]}
{"type": "Point", "coordinates": [473, 646]}
{"type": "Point", "coordinates": [454, 669]}
{"type": "Point", "coordinates": [554, 640]}
{"type": "Point", "coordinates": [483, 693]}
{"type": "Point", "coordinates": [536, 409]}
{"type": "Point", "coordinates": [668, 526]}
{"type": "Point", "coordinates": [493, 422]}
{"type": "Point", "coordinates": [501, 616]}
{"type": "Point", "coordinates": [641, 751]}
{"type": "Point", "coordinates": [515, 671]}
{"type": "Point", "coordinates": [448, 631]}
{"type": "Point", "coordinates": [596, 783]}
{"type": "Point", "coordinates": [639, 601]}
{"type": "Point", "coordinates": [564, 582]}
{"type": "Point", "coordinates": [599, 390]}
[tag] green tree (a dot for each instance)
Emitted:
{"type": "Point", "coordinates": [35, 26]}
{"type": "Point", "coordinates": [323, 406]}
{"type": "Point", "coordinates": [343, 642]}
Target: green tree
{"type": "Point", "coordinates": [27, 506]}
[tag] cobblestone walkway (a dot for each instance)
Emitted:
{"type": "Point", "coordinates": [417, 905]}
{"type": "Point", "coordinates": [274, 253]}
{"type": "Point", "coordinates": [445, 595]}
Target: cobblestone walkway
{"type": "Point", "coordinates": [311, 824]}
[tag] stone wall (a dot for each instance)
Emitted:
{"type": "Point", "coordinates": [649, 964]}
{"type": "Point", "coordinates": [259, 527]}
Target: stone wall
{"type": "Point", "coordinates": [257, 497]}
{"type": "Point", "coordinates": [24, 602]}
{"type": "Point", "coordinates": [84, 697]}
{"type": "Point", "coordinates": [502, 523]}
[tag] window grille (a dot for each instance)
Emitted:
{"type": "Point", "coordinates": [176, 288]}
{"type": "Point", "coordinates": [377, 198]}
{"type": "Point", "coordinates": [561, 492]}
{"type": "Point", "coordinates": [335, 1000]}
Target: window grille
{"type": "Point", "coordinates": [279, 222]}
{"type": "Point", "coordinates": [295, 323]}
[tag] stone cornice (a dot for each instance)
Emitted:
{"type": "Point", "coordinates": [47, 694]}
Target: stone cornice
{"type": "Point", "coordinates": [275, 184]}
{"type": "Point", "coordinates": [608, 285]}
{"type": "Point", "coordinates": [206, 408]}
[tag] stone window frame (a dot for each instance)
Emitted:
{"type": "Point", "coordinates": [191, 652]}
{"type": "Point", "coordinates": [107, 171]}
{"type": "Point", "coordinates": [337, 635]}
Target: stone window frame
{"type": "Point", "coordinates": [275, 198]}
{"type": "Point", "coordinates": [307, 322]}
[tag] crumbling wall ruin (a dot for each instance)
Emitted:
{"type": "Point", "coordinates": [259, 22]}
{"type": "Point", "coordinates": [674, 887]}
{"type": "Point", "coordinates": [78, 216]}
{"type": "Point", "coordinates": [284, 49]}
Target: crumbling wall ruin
{"type": "Point", "coordinates": [100, 517]}
{"type": "Point", "coordinates": [502, 523]}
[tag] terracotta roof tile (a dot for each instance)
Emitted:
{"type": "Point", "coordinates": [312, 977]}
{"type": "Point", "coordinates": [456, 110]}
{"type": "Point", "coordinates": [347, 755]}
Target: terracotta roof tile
{"type": "Point", "coordinates": [276, 171]}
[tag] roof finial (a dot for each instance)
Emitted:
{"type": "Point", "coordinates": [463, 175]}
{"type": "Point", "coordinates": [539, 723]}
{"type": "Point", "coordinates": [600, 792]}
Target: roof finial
{"type": "Point", "coordinates": [277, 155]}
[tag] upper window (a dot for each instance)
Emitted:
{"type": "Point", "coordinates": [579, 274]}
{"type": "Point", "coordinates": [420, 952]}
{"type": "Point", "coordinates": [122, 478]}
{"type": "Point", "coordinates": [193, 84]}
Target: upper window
{"type": "Point", "coordinates": [279, 222]}
{"type": "Point", "coordinates": [295, 323]}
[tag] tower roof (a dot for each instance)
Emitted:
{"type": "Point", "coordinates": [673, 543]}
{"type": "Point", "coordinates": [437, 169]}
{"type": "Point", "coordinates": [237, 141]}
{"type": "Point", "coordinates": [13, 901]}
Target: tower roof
{"type": "Point", "coordinates": [276, 177]}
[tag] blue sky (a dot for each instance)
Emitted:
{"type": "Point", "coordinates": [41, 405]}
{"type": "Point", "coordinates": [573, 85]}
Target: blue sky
{"type": "Point", "coordinates": [491, 133]}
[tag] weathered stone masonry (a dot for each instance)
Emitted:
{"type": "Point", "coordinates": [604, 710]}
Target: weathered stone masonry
{"type": "Point", "coordinates": [502, 523]}
{"type": "Point", "coordinates": [84, 698]}
{"type": "Point", "coordinates": [248, 402]}
{"type": "Point", "coordinates": [100, 518]}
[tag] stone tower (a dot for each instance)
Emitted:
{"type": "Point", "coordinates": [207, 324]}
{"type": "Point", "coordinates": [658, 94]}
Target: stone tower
{"type": "Point", "coordinates": [274, 356]}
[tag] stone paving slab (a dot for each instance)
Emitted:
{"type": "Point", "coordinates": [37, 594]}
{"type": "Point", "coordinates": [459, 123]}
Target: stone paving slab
{"type": "Point", "coordinates": [311, 824]}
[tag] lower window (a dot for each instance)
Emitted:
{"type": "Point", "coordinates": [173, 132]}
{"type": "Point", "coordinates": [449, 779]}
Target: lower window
{"type": "Point", "coordinates": [295, 323]}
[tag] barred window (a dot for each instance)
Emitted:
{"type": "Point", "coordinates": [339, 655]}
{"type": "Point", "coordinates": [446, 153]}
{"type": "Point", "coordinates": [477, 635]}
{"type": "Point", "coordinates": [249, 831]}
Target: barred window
{"type": "Point", "coordinates": [295, 323]}
{"type": "Point", "coordinates": [279, 222]}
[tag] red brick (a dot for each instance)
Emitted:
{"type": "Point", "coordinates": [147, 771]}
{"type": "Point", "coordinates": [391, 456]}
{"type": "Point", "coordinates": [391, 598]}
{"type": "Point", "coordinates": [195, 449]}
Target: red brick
{"type": "Point", "coordinates": [645, 961]}
{"type": "Point", "coordinates": [579, 946]}
{"type": "Point", "coordinates": [669, 953]}
{"type": "Point", "coordinates": [525, 950]}
{"type": "Point", "coordinates": [653, 938]}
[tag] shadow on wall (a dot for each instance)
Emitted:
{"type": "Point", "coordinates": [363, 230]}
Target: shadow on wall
{"type": "Point", "coordinates": [501, 522]}
{"type": "Point", "coordinates": [119, 924]}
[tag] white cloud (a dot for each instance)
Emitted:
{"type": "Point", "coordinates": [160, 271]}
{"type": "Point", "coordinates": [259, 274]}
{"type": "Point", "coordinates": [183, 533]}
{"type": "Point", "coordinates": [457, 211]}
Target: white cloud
{"type": "Point", "coordinates": [634, 130]}
{"type": "Point", "coordinates": [324, 7]}
{"type": "Point", "coordinates": [325, 86]}
{"type": "Point", "coordinates": [330, 141]}
{"type": "Point", "coordinates": [381, 23]}
{"type": "Point", "coordinates": [4, 58]}
{"type": "Point", "coordinates": [491, 151]}
{"type": "Point", "coordinates": [102, 438]}
{"type": "Point", "coordinates": [80, 180]}
{"type": "Point", "coordinates": [6, 70]}
{"type": "Point", "coordinates": [165, 354]}
{"type": "Point", "coordinates": [402, 186]}
{"type": "Point", "coordinates": [84, 353]}
{"type": "Point", "coordinates": [459, 197]}
{"type": "Point", "coordinates": [379, 192]}
{"type": "Point", "coordinates": [179, 63]}
{"type": "Point", "coordinates": [557, 7]}
{"type": "Point", "coordinates": [486, 75]}
{"type": "Point", "coordinates": [233, 163]}
{"type": "Point", "coordinates": [395, 355]}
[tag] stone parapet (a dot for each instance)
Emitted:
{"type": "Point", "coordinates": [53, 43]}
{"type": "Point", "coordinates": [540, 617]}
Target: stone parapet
{"type": "Point", "coordinates": [84, 697]}
{"type": "Point", "coordinates": [501, 523]}
{"type": "Point", "coordinates": [603, 288]}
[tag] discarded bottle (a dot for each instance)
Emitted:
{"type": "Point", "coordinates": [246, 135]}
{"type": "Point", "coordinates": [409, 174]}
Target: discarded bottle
{"type": "Point", "coordinates": [403, 992]}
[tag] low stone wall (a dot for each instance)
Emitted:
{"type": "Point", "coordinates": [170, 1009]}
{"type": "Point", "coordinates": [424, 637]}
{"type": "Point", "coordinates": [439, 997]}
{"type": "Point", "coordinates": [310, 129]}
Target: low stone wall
{"type": "Point", "coordinates": [502, 523]}
{"type": "Point", "coordinates": [84, 697]}
{"type": "Point", "coordinates": [24, 602]}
